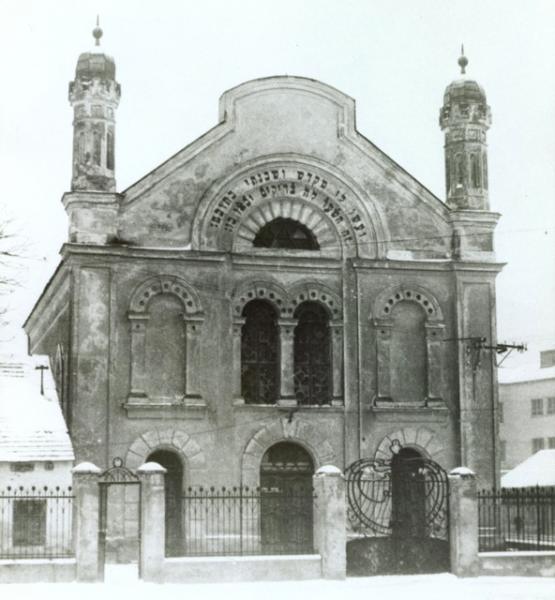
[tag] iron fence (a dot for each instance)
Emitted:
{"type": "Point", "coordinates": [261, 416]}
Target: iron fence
{"type": "Point", "coordinates": [517, 519]}
{"type": "Point", "coordinates": [36, 522]}
{"type": "Point", "coordinates": [246, 521]}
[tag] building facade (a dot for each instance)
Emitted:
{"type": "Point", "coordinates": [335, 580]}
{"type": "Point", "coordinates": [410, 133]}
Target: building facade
{"type": "Point", "coordinates": [277, 296]}
{"type": "Point", "coordinates": [527, 411]}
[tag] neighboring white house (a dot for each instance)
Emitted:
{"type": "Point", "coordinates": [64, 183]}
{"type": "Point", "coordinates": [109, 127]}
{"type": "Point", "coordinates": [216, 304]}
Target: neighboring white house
{"type": "Point", "coordinates": [526, 410]}
{"type": "Point", "coordinates": [36, 457]}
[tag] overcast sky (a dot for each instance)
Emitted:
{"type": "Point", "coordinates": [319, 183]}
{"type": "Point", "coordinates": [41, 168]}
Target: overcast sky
{"type": "Point", "coordinates": [174, 59]}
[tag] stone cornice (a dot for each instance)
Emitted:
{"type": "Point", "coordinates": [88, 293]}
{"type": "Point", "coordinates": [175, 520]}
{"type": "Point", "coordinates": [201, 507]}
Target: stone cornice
{"type": "Point", "coordinates": [53, 300]}
{"type": "Point", "coordinates": [427, 265]}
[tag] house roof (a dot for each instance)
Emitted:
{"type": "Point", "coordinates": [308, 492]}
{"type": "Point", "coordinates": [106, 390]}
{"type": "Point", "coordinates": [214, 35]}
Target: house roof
{"type": "Point", "coordinates": [525, 373]}
{"type": "Point", "coordinates": [32, 427]}
{"type": "Point", "coordinates": [538, 469]}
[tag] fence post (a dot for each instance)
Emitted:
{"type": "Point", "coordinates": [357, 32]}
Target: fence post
{"type": "Point", "coordinates": [152, 522]}
{"type": "Point", "coordinates": [330, 521]}
{"type": "Point", "coordinates": [463, 522]}
{"type": "Point", "coordinates": [85, 526]}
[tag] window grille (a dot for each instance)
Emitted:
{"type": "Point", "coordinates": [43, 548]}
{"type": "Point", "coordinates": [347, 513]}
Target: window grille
{"type": "Point", "coordinates": [312, 355]}
{"type": "Point", "coordinates": [551, 406]}
{"type": "Point", "coordinates": [259, 354]}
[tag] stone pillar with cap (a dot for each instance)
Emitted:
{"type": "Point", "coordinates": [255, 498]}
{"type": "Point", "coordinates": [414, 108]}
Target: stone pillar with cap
{"type": "Point", "coordinates": [152, 522]}
{"type": "Point", "coordinates": [463, 522]}
{"type": "Point", "coordinates": [86, 522]}
{"type": "Point", "coordinates": [330, 521]}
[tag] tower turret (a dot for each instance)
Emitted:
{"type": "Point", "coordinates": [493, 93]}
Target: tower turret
{"type": "Point", "coordinates": [94, 96]}
{"type": "Point", "coordinates": [465, 118]}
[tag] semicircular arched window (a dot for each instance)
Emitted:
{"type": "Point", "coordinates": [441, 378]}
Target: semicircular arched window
{"type": "Point", "coordinates": [285, 233]}
{"type": "Point", "coordinates": [260, 354]}
{"type": "Point", "coordinates": [312, 355]}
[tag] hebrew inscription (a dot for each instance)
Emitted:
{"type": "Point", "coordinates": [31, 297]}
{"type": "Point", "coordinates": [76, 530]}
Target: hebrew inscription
{"type": "Point", "coordinates": [289, 182]}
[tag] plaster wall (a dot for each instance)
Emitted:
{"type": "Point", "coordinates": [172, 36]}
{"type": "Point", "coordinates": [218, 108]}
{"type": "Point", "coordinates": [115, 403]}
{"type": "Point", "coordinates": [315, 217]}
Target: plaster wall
{"type": "Point", "coordinates": [519, 427]}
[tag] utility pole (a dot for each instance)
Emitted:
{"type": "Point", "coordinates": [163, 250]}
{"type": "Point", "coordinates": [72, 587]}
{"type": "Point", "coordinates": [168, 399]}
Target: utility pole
{"type": "Point", "coordinates": [42, 369]}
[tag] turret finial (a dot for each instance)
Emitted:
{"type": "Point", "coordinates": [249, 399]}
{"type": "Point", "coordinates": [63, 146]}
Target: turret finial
{"type": "Point", "coordinates": [463, 61]}
{"type": "Point", "coordinates": [97, 32]}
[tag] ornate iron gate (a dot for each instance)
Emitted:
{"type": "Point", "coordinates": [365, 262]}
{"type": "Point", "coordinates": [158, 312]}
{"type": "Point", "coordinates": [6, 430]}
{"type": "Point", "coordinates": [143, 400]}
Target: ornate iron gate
{"type": "Point", "coordinates": [398, 515]}
{"type": "Point", "coordinates": [120, 476]}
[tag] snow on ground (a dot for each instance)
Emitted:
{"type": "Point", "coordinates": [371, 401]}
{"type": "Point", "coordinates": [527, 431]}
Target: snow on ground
{"type": "Point", "coordinates": [122, 584]}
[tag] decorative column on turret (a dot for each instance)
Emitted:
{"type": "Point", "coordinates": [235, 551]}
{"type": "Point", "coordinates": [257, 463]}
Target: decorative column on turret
{"type": "Point", "coordinates": [94, 95]}
{"type": "Point", "coordinates": [465, 118]}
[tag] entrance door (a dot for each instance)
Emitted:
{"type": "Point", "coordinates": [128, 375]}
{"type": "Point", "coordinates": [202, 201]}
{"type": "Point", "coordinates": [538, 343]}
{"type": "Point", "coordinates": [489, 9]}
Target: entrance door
{"type": "Point", "coordinates": [118, 486]}
{"type": "Point", "coordinates": [398, 515]}
{"type": "Point", "coordinates": [173, 504]}
{"type": "Point", "coordinates": [286, 499]}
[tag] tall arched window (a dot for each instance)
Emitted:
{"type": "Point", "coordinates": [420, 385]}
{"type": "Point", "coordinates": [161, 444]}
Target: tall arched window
{"type": "Point", "coordinates": [110, 150]}
{"type": "Point", "coordinates": [408, 362]}
{"type": "Point", "coordinates": [81, 148]}
{"type": "Point", "coordinates": [285, 233]}
{"type": "Point", "coordinates": [476, 171]}
{"type": "Point", "coordinates": [260, 354]}
{"type": "Point", "coordinates": [165, 348]}
{"type": "Point", "coordinates": [312, 355]}
{"type": "Point", "coordinates": [459, 170]}
{"type": "Point", "coordinates": [97, 148]}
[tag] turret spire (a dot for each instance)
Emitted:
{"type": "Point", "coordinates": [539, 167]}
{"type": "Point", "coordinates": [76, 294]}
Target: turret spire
{"type": "Point", "coordinates": [463, 61]}
{"type": "Point", "coordinates": [465, 118]}
{"type": "Point", "coordinates": [94, 95]}
{"type": "Point", "coordinates": [97, 32]}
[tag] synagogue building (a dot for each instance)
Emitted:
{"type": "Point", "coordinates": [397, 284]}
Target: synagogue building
{"type": "Point", "coordinates": [277, 296]}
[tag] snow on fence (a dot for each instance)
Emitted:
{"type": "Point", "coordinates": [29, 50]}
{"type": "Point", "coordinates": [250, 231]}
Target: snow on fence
{"type": "Point", "coordinates": [516, 519]}
{"type": "Point", "coordinates": [36, 522]}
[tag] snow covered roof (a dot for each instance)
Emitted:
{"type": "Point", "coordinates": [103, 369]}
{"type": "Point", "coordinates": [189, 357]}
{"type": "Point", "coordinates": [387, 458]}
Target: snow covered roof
{"type": "Point", "coordinates": [538, 469]}
{"type": "Point", "coordinates": [32, 426]}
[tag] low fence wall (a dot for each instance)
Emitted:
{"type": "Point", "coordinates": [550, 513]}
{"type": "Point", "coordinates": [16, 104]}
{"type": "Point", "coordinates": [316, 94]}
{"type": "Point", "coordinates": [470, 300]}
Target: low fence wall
{"type": "Point", "coordinates": [533, 564]}
{"type": "Point", "coordinates": [240, 568]}
{"type": "Point", "coordinates": [328, 537]}
{"type": "Point", "coordinates": [38, 570]}
{"type": "Point", "coordinates": [36, 522]}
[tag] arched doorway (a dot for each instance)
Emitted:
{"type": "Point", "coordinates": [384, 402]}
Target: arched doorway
{"type": "Point", "coordinates": [173, 491]}
{"type": "Point", "coordinates": [398, 514]}
{"type": "Point", "coordinates": [408, 486]}
{"type": "Point", "coordinates": [286, 499]}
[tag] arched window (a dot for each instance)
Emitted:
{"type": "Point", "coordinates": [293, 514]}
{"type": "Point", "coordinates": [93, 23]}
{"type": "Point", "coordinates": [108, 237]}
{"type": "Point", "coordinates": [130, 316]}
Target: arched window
{"type": "Point", "coordinates": [285, 233]}
{"type": "Point", "coordinates": [408, 361]}
{"type": "Point", "coordinates": [259, 354]}
{"type": "Point", "coordinates": [476, 174]}
{"type": "Point", "coordinates": [110, 150]}
{"type": "Point", "coordinates": [165, 348]}
{"type": "Point", "coordinates": [312, 355]}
